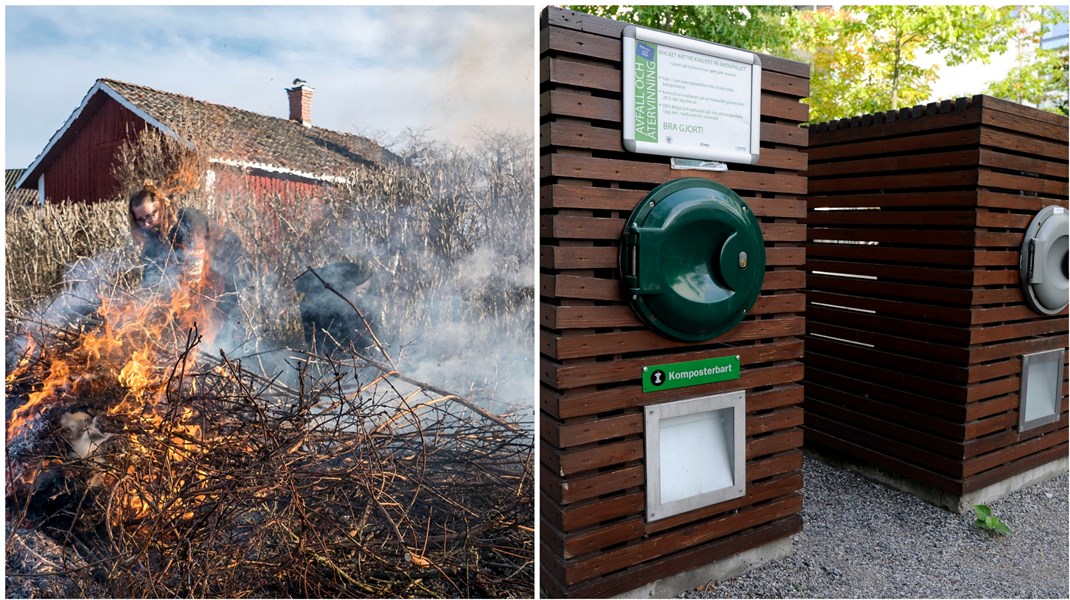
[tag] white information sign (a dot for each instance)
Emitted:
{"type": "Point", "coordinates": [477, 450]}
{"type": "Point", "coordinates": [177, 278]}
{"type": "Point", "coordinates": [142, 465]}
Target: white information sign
{"type": "Point", "coordinates": [687, 98]}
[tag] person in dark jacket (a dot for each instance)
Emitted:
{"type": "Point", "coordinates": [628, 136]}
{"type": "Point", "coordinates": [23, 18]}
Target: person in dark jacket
{"type": "Point", "coordinates": [211, 257]}
{"type": "Point", "coordinates": [181, 245]}
{"type": "Point", "coordinates": [330, 324]}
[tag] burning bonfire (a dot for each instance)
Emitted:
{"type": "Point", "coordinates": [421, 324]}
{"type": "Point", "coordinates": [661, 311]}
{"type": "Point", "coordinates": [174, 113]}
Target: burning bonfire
{"type": "Point", "coordinates": [141, 465]}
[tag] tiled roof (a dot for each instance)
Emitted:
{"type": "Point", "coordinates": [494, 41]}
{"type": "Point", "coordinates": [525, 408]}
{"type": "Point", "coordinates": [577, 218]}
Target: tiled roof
{"type": "Point", "coordinates": [14, 196]}
{"type": "Point", "coordinates": [251, 139]}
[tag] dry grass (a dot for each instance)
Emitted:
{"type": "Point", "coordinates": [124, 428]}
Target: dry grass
{"type": "Point", "coordinates": [43, 242]}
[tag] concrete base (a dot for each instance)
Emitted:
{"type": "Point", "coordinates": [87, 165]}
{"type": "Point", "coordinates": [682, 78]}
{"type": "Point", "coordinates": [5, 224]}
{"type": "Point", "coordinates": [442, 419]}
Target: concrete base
{"type": "Point", "coordinates": [732, 566]}
{"type": "Point", "coordinates": [953, 502]}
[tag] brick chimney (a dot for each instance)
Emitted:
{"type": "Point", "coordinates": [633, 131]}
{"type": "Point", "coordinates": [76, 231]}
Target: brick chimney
{"type": "Point", "coordinates": [300, 96]}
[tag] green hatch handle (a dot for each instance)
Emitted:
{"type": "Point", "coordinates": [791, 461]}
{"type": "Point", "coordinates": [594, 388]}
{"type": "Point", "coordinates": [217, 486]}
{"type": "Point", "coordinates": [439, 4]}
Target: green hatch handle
{"type": "Point", "coordinates": [643, 276]}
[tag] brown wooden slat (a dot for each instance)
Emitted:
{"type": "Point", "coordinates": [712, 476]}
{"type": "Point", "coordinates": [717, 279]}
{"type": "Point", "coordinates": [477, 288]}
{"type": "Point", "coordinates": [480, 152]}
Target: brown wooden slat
{"type": "Point", "coordinates": [920, 365]}
{"type": "Point", "coordinates": [931, 332]}
{"type": "Point", "coordinates": [894, 237]}
{"type": "Point", "coordinates": [1011, 140]}
{"type": "Point", "coordinates": [589, 486]}
{"type": "Point", "coordinates": [581, 74]}
{"type": "Point", "coordinates": [1002, 438]}
{"type": "Point", "coordinates": [1047, 124]}
{"type": "Point", "coordinates": [581, 515]}
{"type": "Point", "coordinates": [906, 450]}
{"type": "Point", "coordinates": [927, 199]}
{"type": "Point", "coordinates": [1018, 183]}
{"type": "Point", "coordinates": [887, 411]}
{"type": "Point", "coordinates": [916, 311]}
{"type": "Point", "coordinates": [897, 219]}
{"type": "Point", "coordinates": [905, 274]}
{"type": "Point", "coordinates": [578, 432]}
{"type": "Point", "coordinates": [592, 199]}
{"type": "Point", "coordinates": [579, 544]}
{"type": "Point", "coordinates": [590, 317]}
{"type": "Point", "coordinates": [919, 162]}
{"type": "Point", "coordinates": [572, 462]}
{"type": "Point", "coordinates": [907, 256]}
{"type": "Point", "coordinates": [950, 451]}
{"type": "Point", "coordinates": [1029, 164]}
{"type": "Point", "coordinates": [861, 452]}
{"type": "Point", "coordinates": [933, 180]}
{"type": "Point", "coordinates": [987, 478]}
{"type": "Point", "coordinates": [890, 377]}
{"type": "Point", "coordinates": [885, 146]}
{"type": "Point", "coordinates": [598, 344]}
{"type": "Point", "coordinates": [847, 383]}
{"type": "Point", "coordinates": [582, 43]}
{"type": "Point", "coordinates": [686, 560]}
{"type": "Point", "coordinates": [582, 105]}
{"type": "Point", "coordinates": [570, 404]}
{"type": "Point", "coordinates": [607, 562]}
{"type": "Point", "coordinates": [593, 168]}
{"type": "Point", "coordinates": [892, 290]}
{"type": "Point", "coordinates": [1032, 445]}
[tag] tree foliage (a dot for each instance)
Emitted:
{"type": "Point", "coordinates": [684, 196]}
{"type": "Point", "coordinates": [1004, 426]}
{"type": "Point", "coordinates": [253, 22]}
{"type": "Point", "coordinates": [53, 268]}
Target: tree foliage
{"type": "Point", "coordinates": [755, 28]}
{"type": "Point", "coordinates": [1039, 76]}
{"type": "Point", "coordinates": [872, 58]}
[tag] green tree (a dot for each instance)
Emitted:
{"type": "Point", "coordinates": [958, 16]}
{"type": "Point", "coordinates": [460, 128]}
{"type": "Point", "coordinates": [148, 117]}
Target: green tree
{"type": "Point", "coordinates": [866, 58]}
{"type": "Point", "coordinates": [1039, 76]}
{"type": "Point", "coordinates": [755, 28]}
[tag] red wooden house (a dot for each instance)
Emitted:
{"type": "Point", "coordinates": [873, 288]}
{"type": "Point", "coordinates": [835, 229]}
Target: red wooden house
{"type": "Point", "coordinates": [267, 155]}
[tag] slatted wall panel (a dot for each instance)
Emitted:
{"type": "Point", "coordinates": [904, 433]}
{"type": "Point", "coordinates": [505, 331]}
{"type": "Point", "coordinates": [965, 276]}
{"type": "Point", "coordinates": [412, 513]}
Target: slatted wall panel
{"type": "Point", "coordinates": [916, 318]}
{"type": "Point", "coordinates": [594, 537]}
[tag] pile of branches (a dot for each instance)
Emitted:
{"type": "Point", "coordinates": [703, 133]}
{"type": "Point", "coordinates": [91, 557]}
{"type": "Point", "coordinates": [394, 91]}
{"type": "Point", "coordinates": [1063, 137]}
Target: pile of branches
{"type": "Point", "coordinates": [241, 486]}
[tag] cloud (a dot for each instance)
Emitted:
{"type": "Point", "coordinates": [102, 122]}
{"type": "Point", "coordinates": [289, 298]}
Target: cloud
{"type": "Point", "coordinates": [449, 70]}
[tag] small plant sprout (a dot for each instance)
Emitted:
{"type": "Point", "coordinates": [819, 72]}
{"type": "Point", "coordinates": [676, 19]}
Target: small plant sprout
{"type": "Point", "coordinates": [989, 522]}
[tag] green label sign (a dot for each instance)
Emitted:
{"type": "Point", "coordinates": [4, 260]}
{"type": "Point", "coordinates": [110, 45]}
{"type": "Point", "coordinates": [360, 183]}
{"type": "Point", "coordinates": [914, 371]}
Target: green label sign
{"type": "Point", "coordinates": [646, 92]}
{"type": "Point", "coordinates": [695, 372]}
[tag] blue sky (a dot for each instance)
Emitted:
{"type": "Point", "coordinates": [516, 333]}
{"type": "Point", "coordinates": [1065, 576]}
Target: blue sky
{"type": "Point", "coordinates": [376, 71]}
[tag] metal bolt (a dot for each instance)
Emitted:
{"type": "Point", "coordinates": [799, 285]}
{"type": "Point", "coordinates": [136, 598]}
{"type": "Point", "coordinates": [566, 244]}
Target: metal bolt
{"type": "Point", "coordinates": [645, 369]}
{"type": "Point", "coordinates": [742, 260]}
{"type": "Point", "coordinates": [650, 204]}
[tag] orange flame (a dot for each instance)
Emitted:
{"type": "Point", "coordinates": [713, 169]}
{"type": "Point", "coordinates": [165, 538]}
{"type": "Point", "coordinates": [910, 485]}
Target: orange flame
{"type": "Point", "coordinates": [135, 346]}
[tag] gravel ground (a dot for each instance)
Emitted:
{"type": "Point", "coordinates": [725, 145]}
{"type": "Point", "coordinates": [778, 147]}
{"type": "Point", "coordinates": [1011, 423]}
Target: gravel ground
{"type": "Point", "coordinates": [862, 539]}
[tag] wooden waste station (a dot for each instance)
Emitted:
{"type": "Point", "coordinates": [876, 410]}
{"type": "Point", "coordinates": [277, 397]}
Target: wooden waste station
{"type": "Point", "coordinates": [672, 305]}
{"type": "Point", "coordinates": [937, 291]}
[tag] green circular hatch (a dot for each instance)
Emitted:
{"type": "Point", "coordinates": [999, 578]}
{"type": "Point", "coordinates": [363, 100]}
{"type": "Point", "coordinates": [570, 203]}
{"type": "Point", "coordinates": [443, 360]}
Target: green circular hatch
{"type": "Point", "coordinates": [692, 259]}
